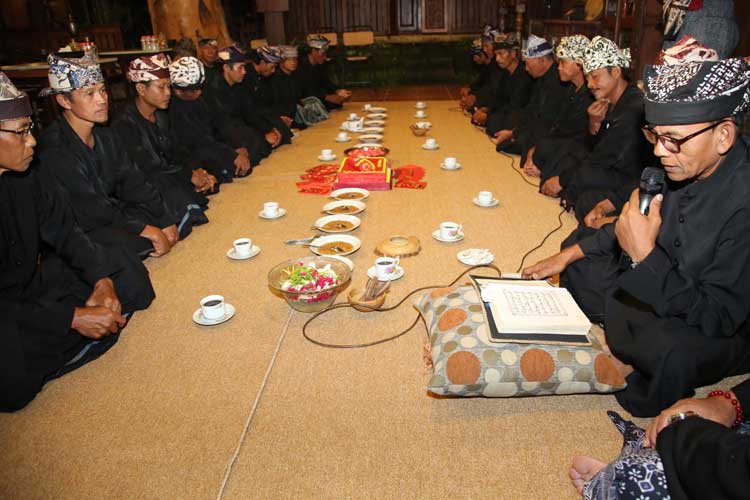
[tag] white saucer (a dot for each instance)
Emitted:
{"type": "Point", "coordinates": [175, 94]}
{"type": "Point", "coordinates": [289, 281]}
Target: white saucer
{"type": "Point", "coordinates": [457, 167]}
{"type": "Point", "coordinates": [282, 213]}
{"type": "Point", "coordinates": [491, 205]}
{"type": "Point", "coordinates": [424, 106]}
{"type": "Point", "coordinates": [420, 117]}
{"type": "Point", "coordinates": [469, 257]}
{"type": "Point", "coordinates": [327, 158]}
{"type": "Point", "coordinates": [436, 235]}
{"type": "Point", "coordinates": [397, 275]}
{"type": "Point", "coordinates": [255, 250]}
{"type": "Point", "coordinates": [437, 146]}
{"type": "Point", "coordinates": [228, 313]}
{"type": "Point", "coordinates": [345, 140]}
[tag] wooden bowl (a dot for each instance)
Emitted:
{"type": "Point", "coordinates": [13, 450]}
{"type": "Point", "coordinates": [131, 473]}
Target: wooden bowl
{"type": "Point", "coordinates": [355, 299]}
{"type": "Point", "coordinates": [419, 132]}
{"type": "Point", "coordinates": [399, 246]}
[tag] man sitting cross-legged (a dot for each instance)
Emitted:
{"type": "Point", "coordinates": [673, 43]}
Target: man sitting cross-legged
{"type": "Point", "coordinates": [144, 129]}
{"type": "Point", "coordinates": [110, 197]}
{"type": "Point", "coordinates": [312, 77]}
{"type": "Point", "coordinates": [676, 282]}
{"type": "Point", "coordinates": [63, 298]}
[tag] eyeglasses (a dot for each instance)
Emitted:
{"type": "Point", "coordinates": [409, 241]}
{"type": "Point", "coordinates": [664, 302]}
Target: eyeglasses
{"type": "Point", "coordinates": [23, 132]}
{"type": "Point", "coordinates": [671, 144]}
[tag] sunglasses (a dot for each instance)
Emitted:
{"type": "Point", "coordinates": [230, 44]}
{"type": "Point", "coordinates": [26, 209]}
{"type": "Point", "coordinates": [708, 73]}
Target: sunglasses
{"type": "Point", "coordinates": [23, 132]}
{"type": "Point", "coordinates": [671, 144]}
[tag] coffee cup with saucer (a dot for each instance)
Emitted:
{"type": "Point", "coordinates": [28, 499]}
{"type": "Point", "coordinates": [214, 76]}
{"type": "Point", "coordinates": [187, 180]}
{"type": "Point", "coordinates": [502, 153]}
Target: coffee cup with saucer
{"type": "Point", "coordinates": [213, 310]}
{"type": "Point", "coordinates": [386, 269]}
{"type": "Point", "coordinates": [242, 249]}
{"type": "Point", "coordinates": [430, 144]}
{"type": "Point", "coordinates": [342, 137]}
{"type": "Point", "coordinates": [450, 163]}
{"type": "Point", "coordinates": [271, 210]}
{"type": "Point", "coordinates": [485, 199]}
{"type": "Point", "coordinates": [420, 105]}
{"type": "Point", "coordinates": [326, 155]}
{"type": "Point", "coordinates": [420, 114]}
{"type": "Point", "coordinates": [448, 232]}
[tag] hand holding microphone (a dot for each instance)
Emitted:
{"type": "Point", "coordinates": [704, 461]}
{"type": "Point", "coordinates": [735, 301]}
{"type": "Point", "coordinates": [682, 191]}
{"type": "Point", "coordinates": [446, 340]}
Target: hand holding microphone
{"type": "Point", "coordinates": [640, 220]}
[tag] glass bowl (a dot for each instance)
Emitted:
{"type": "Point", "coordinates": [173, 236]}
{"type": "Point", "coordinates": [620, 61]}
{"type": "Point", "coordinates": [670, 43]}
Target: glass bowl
{"type": "Point", "coordinates": [309, 301]}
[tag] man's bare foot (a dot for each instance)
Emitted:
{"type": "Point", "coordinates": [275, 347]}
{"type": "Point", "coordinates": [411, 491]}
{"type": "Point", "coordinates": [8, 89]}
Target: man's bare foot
{"type": "Point", "coordinates": [601, 339]}
{"type": "Point", "coordinates": [582, 470]}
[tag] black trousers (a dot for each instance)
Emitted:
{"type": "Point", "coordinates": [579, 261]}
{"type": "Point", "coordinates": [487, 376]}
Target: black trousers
{"type": "Point", "coordinates": [29, 358]}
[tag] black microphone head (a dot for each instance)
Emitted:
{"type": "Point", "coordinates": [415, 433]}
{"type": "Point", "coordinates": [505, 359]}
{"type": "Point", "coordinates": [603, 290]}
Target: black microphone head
{"type": "Point", "coordinates": [652, 180]}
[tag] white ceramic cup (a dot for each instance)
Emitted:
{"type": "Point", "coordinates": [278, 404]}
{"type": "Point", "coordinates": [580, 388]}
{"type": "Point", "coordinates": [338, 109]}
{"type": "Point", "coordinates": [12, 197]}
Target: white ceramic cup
{"type": "Point", "coordinates": [242, 247]}
{"type": "Point", "coordinates": [326, 153]}
{"type": "Point", "coordinates": [450, 162]}
{"type": "Point", "coordinates": [484, 197]}
{"type": "Point", "coordinates": [270, 209]}
{"type": "Point", "coordinates": [449, 230]}
{"type": "Point", "coordinates": [212, 307]}
{"type": "Point", "coordinates": [353, 116]}
{"type": "Point", "coordinates": [385, 267]}
{"type": "Point", "coordinates": [421, 114]}
{"type": "Point", "coordinates": [421, 105]}
{"type": "Point", "coordinates": [342, 136]}
{"type": "Point", "coordinates": [367, 107]}
{"type": "Point", "coordinates": [430, 143]}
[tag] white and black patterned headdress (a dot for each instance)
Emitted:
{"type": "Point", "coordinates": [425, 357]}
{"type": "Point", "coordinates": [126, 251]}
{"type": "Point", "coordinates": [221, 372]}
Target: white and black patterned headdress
{"type": "Point", "coordinates": [13, 103]}
{"type": "Point", "coordinates": [67, 75]}
{"type": "Point", "coordinates": [187, 73]}
{"type": "Point", "coordinates": [573, 48]}
{"type": "Point", "coordinates": [696, 92]}
{"type": "Point", "coordinates": [603, 53]}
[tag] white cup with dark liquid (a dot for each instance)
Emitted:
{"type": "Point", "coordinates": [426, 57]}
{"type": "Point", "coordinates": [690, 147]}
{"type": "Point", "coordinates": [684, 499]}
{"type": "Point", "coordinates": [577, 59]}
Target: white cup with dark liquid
{"type": "Point", "coordinates": [242, 247]}
{"type": "Point", "coordinates": [212, 307]}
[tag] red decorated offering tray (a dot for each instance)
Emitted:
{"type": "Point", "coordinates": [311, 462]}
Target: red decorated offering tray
{"type": "Point", "coordinates": [370, 173]}
{"type": "Point", "coordinates": [366, 151]}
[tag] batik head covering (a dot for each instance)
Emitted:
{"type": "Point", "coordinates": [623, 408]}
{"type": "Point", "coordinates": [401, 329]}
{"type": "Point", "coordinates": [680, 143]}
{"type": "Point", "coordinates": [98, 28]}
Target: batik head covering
{"type": "Point", "coordinates": [288, 51]}
{"type": "Point", "coordinates": [536, 46]}
{"type": "Point", "coordinates": [603, 53]}
{"type": "Point", "coordinates": [318, 42]}
{"type": "Point", "coordinates": [149, 68]}
{"type": "Point", "coordinates": [67, 75]}
{"type": "Point", "coordinates": [507, 41]}
{"type": "Point", "coordinates": [572, 48]}
{"type": "Point", "coordinates": [271, 55]}
{"type": "Point", "coordinates": [231, 55]}
{"type": "Point", "coordinates": [13, 103]}
{"type": "Point", "coordinates": [489, 33]}
{"type": "Point", "coordinates": [476, 47]}
{"type": "Point", "coordinates": [208, 41]}
{"type": "Point", "coordinates": [187, 73]}
{"type": "Point", "coordinates": [696, 92]}
{"type": "Point", "coordinates": [687, 49]}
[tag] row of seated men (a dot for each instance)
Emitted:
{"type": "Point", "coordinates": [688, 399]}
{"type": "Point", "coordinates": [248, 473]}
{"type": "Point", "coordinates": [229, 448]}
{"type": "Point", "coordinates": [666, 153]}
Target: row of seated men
{"type": "Point", "coordinates": [670, 284]}
{"type": "Point", "coordinates": [78, 216]}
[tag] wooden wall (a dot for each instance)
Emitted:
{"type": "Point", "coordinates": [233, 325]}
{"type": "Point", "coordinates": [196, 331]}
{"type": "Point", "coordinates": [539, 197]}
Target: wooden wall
{"type": "Point", "coordinates": [307, 16]}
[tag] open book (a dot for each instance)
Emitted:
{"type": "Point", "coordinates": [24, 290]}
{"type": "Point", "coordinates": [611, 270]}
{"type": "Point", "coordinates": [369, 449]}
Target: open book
{"type": "Point", "coordinates": [531, 312]}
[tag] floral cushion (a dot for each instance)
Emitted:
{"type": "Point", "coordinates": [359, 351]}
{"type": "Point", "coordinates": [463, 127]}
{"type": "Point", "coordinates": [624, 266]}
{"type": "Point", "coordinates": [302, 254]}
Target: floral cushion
{"type": "Point", "coordinates": [466, 363]}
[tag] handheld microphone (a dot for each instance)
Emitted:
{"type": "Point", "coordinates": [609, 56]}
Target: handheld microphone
{"type": "Point", "coordinates": [652, 183]}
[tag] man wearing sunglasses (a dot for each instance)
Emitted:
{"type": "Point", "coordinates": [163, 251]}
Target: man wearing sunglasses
{"type": "Point", "coordinates": [63, 298]}
{"type": "Point", "coordinates": [676, 313]}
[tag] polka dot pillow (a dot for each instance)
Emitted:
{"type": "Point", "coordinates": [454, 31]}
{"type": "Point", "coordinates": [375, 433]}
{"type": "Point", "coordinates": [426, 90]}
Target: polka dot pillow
{"type": "Point", "coordinates": [466, 363]}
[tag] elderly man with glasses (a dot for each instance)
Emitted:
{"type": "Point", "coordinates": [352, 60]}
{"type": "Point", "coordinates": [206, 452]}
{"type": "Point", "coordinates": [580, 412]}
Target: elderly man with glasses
{"type": "Point", "coordinates": [677, 310]}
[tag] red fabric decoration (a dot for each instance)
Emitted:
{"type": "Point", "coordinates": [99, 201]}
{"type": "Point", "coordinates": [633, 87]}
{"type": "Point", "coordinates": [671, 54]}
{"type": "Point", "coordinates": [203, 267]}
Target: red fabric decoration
{"type": "Point", "coordinates": [409, 176]}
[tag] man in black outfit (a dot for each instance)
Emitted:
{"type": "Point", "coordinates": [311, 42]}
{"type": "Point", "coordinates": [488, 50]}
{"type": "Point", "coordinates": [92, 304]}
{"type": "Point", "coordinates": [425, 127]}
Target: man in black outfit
{"type": "Point", "coordinates": [313, 78]}
{"type": "Point", "coordinates": [263, 65]}
{"type": "Point", "coordinates": [110, 197]}
{"type": "Point", "coordinates": [63, 298]}
{"type": "Point", "coordinates": [486, 92]}
{"type": "Point", "coordinates": [286, 92]}
{"type": "Point", "coordinates": [676, 282]}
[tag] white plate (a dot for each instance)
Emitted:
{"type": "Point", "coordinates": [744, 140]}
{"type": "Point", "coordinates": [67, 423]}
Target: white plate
{"type": "Point", "coordinates": [377, 116]}
{"type": "Point", "coordinates": [423, 125]}
{"type": "Point", "coordinates": [374, 123]}
{"type": "Point", "coordinates": [329, 206]}
{"type": "Point", "coordinates": [491, 205]}
{"type": "Point", "coordinates": [255, 250]}
{"type": "Point", "coordinates": [327, 158]}
{"type": "Point", "coordinates": [396, 275]}
{"type": "Point", "coordinates": [345, 260]}
{"type": "Point", "coordinates": [228, 313]}
{"type": "Point", "coordinates": [282, 213]}
{"type": "Point", "coordinates": [420, 117]}
{"type": "Point", "coordinates": [343, 140]}
{"type": "Point", "coordinates": [371, 130]}
{"type": "Point", "coordinates": [475, 256]}
{"type": "Point", "coordinates": [424, 106]}
{"type": "Point", "coordinates": [371, 138]}
{"type": "Point", "coordinates": [457, 167]}
{"type": "Point", "coordinates": [437, 146]}
{"type": "Point", "coordinates": [375, 109]}
{"type": "Point", "coordinates": [341, 217]}
{"type": "Point", "coordinates": [436, 235]}
{"type": "Point", "coordinates": [346, 238]}
{"type": "Point", "coordinates": [339, 192]}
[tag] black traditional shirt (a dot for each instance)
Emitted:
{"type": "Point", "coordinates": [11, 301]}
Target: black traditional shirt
{"type": "Point", "coordinates": [286, 93]}
{"type": "Point", "coordinates": [233, 102]}
{"type": "Point", "coordinates": [548, 98]}
{"type": "Point", "coordinates": [313, 80]}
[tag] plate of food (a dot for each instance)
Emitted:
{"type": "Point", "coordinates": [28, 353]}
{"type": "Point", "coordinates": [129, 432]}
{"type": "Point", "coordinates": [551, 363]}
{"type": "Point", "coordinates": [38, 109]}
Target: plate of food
{"type": "Point", "coordinates": [350, 194]}
{"type": "Point", "coordinates": [371, 130]}
{"type": "Point", "coordinates": [374, 123]}
{"type": "Point", "coordinates": [344, 207]}
{"type": "Point", "coordinates": [340, 244]}
{"type": "Point", "coordinates": [375, 109]}
{"type": "Point", "coordinates": [337, 223]}
{"type": "Point", "coordinates": [371, 138]}
{"type": "Point", "coordinates": [376, 116]}
{"type": "Point", "coordinates": [370, 149]}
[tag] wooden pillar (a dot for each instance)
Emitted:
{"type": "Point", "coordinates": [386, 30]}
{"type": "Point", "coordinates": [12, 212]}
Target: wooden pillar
{"type": "Point", "coordinates": [273, 15]}
{"type": "Point", "coordinates": [185, 18]}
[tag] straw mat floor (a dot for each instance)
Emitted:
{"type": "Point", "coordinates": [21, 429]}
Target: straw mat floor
{"type": "Point", "coordinates": [164, 413]}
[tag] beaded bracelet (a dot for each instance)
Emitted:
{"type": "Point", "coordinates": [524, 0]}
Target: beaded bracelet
{"type": "Point", "coordinates": [734, 401]}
